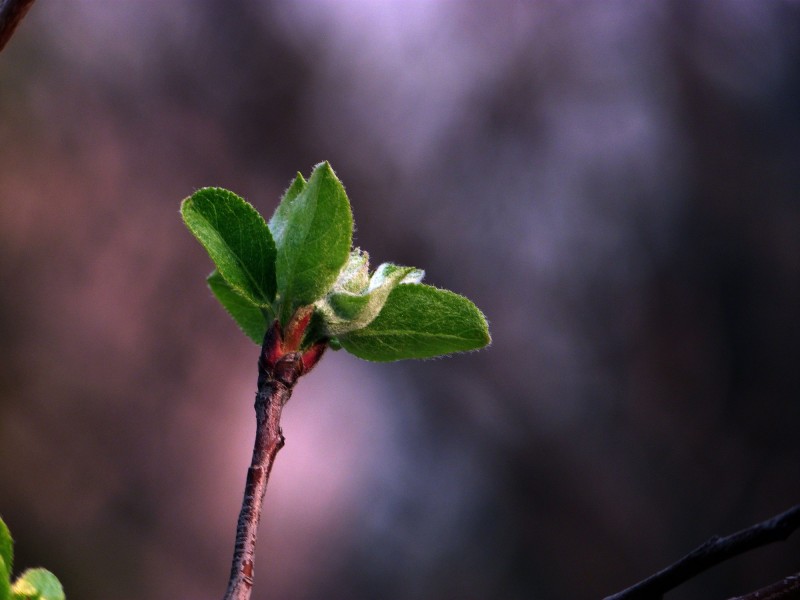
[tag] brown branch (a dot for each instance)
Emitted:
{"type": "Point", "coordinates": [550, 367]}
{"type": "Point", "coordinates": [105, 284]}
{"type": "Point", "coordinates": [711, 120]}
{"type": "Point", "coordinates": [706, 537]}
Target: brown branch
{"type": "Point", "coordinates": [280, 365]}
{"type": "Point", "coordinates": [711, 553]}
{"type": "Point", "coordinates": [11, 13]}
{"type": "Point", "coordinates": [271, 396]}
{"type": "Point", "coordinates": [785, 589]}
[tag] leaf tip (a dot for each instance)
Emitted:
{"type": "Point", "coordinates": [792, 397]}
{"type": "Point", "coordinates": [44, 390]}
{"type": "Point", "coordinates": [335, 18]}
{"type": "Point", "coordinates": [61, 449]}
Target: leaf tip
{"type": "Point", "coordinates": [324, 169]}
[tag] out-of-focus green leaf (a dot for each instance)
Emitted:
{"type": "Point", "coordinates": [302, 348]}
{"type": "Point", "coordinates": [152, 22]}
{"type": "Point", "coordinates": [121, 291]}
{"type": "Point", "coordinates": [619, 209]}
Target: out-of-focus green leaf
{"type": "Point", "coordinates": [6, 547]}
{"type": "Point", "coordinates": [37, 584]}
{"type": "Point", "coordinates": [5, 575]}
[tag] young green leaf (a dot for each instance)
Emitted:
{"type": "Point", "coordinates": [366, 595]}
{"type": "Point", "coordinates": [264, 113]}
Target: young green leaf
{"type": "Point", "coordinates": [354, 277]}
{"type": "Point", "coordinates": [345, 311]}
{"type": "Point", "coordinates": [6, 560]}
{"type": "Point", "coordinates": [237, 239]}
{"type": "Point", "coordinates": [315, 230]}
{"type": "Point", "coordinates": [37, 584]}
{"type": "Point", "coordinates": [277, 223]}
{"type": "Point", "coordinates": [250, 318]}
{"type": "Point", "coordinates": [419, 321]}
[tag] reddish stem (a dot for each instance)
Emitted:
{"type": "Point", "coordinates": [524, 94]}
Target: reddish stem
{"type": "Point", "coordinates": [277, 374]}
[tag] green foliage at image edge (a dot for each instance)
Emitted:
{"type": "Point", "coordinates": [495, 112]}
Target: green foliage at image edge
{"type": "Point", "coordinates": [33, 584]}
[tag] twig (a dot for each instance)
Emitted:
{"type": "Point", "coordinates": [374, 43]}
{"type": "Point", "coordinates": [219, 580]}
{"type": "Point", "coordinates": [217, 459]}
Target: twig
{"type": "Point", "coordinates": [11, 13]}
{"type": "Point", "coordinates": [714, 551]}
{"type": "Point", "coordinates": [271, 396]}
{"type": "Point", "coordinates": [280, 365]}
{"type": "Point", "coordinates": [785, 589]}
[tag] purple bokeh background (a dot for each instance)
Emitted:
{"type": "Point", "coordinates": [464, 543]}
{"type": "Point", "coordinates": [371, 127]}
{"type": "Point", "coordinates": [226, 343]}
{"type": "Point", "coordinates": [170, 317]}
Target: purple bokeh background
{"type": "Point", "coordinates": [614, 183]}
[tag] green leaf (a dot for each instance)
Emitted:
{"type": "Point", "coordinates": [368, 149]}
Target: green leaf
{"type": "Point", "coordinates": [6, 547]}
{"type": "Point", "coordinates": [345, 311]}
{"type": "Point", "coordinates": [419, 321]}
{"type": "Point", "coordinates": [277, 224]}
{"type": "Point", "coordinates": [315, 230]}
{"type": "Point", "coordinates": [250, 318]}
{"type": "Point", "coordinates": [37, 584]}
{"type": "Point", "coordinates": [237, 239]}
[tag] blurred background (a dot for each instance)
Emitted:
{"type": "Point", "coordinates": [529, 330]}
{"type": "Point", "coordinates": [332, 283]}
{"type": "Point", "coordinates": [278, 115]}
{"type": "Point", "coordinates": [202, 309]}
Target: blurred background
{"type": "Point", "coordinates": [613, 183]}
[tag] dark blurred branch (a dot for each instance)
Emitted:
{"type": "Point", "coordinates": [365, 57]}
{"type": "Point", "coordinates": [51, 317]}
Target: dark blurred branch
{"type": "Point", "coordinates": [713, 552]}
{"type": "Point", "coordinates": [11, 13]}
{"type": "Point", "coordinates": [785, 589]}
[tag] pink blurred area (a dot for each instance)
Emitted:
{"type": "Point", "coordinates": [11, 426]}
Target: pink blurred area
{"type": "Point", "coordinates": [615, 185]}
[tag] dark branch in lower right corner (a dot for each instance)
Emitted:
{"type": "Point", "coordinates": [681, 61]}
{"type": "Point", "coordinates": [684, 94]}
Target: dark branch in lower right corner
{"type": "Point", "coordinates": [711, 553]}
{"type": "Point", "coordinates": [787, 588]}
